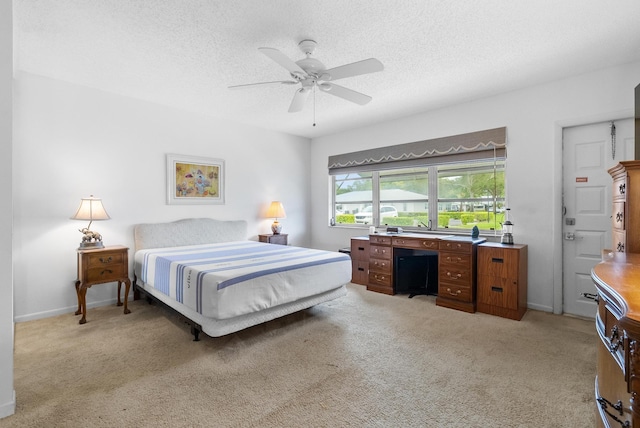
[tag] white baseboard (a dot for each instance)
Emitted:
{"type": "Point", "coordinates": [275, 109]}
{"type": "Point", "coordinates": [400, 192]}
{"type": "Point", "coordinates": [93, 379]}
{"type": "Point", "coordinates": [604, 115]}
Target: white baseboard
{"type": "Point", "coordinates": [61, 311]}
{"type": "Point", "coordinates": [8, 409]}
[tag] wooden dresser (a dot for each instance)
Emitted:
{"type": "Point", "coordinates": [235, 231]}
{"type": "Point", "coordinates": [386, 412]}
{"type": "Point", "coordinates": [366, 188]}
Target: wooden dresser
{"type": "Point", "coordinates": [617, 280]}
{"type": "Point", "coordinates": [626, 206]}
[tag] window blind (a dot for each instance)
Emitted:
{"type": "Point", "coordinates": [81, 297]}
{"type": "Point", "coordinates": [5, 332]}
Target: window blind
{"type": "Point", "coordinates": [487, 144]}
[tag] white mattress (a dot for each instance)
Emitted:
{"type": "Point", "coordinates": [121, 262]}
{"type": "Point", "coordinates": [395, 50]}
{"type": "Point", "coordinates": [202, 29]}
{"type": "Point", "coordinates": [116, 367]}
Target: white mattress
{"type": "Point", "coordinates": [232, 279]}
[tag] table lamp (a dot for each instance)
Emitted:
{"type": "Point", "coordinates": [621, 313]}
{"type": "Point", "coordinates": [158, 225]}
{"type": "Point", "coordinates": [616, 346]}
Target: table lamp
{"type": "Point", "coordinates": [276, 211]}
{"type": "Point", "coordinates": [90, 209]}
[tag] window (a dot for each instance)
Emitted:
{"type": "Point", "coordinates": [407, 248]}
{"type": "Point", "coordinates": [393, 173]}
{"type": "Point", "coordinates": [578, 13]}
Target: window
{"type": "Point", "coordinates": [452, 183]}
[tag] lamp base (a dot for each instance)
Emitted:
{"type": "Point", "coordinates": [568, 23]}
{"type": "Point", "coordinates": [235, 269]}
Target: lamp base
{"type": "Point", "coordinates": [276, 228]}
{"type": "Point", "coordinates": [90, 245]}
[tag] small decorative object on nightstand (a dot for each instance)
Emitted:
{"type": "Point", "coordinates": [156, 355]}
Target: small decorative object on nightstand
{"type": "Point", "coordinates": [91, 209]}
{"type": "Point", "coordinates": [98, 266]}
{"type": "Point", "coordinates": [280, 239]}
{"type": "Point", "coordinates": [276, 211]}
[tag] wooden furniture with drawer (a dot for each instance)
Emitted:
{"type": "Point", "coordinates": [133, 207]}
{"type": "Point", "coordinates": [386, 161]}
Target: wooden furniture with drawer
{"type": "Point", "coordinates": [360, 260]}
{"type": "Point", "coordinates": [502, 279]}
{"type": "Point", "coordinates": [617, 382]}
{"type": "Point", "coordinates": [457, 275]}
{"type": "Point", "coordinates": [99, 266]}
{"type": "Point", "coordinates": [279, 239]}
{"type": "Point", "coordinates": [626, 206]}
{"type": "Point", "coordinates": [380, 264]}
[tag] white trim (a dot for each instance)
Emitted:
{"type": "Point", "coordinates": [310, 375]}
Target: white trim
{"type": "Point", "coordinates": [9, 408]}
{"type": "Point", "coordinates": [556, 246]}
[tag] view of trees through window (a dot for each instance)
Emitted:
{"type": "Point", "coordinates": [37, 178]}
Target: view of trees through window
{"type": "Point", "coordinates": [452, 196]}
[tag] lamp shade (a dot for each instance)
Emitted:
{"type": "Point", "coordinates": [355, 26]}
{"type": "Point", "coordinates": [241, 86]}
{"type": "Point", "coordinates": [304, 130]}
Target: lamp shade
{"type": "Point", "coordinates": [91, 209]}
{"type": "Point", "coordinates": [276, 210]}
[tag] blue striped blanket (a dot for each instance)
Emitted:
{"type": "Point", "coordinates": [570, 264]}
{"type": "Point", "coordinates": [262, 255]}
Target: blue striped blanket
{"type": "Point", "coordinates": [233, 278]}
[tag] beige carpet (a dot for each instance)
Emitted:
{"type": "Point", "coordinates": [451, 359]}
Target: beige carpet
{"type": "Point", "coordinates": [365, 360]}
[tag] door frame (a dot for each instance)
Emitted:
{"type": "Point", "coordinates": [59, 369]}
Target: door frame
{"type": "Point", "coordinates": [558, 158]}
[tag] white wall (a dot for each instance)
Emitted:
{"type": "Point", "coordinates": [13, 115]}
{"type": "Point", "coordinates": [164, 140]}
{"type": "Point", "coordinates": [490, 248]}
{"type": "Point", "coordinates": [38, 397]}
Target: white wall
{"type": "Point", "coordinates": [72, 141]}
{"type": "Point", "coordinates": [533, 117]}
{"type": "Point", "coordinates": [7, 394]}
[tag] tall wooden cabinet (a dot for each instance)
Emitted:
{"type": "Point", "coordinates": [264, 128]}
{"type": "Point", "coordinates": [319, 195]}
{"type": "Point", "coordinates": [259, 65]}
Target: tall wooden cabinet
{"type": "Point", "coordinates": [502, 279]}
{"type": "Point", "coordinates": [626, 207]}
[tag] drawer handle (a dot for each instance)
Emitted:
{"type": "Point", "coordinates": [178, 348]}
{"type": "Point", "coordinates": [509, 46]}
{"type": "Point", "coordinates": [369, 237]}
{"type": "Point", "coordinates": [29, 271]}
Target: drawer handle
{"type": "Point", "coordinates": [497, 260]}
{"type": "Point", "coordinates": [427, 244]}
{"type": "Point", "coordinates": [361, 269]}
{"type": "Point", "coordinates": [620, 247]}
{"type": "Point", "coordinates": [616, 340]}
{"type": "Point", "coordinates": [360, 248]}
{"type": "Point", "coordinates": [452, 293]}
{"type": "Point", "coordinates": [457, 276]}
{"type": "Point", "coordinates": [458, 259]}
{"type": "Point", "coordinates": [107, 260]}
{"type": "Point", "coordinates": [604, 403]}
{"type": "Point", "coordinates": [107, 271]}
{"type": "Point", "coordinates": [619, 217]}
{"type": "Point", "coordinates": [497, 289]}
{"type": "Point", "coordinates": [379, 278]}
{"type": "Point", "coordinates": [622, 188]}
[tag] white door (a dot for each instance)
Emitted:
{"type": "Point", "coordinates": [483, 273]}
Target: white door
{"type": "Point", "coordinates": [587, 155]}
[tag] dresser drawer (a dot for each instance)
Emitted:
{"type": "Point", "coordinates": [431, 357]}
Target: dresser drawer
{"type": "Point", "coordinates": [618, 216]}
{"type": "Point", "coordinates": [417, 243]}
{"type": "Point", "coordinates": [359, 249]}
{"type": "Point", "coordinates": [499, 292]}
{"type": "Point", "coordinates": [380, 279]}
{"type": "Point", "coordinates": [359, 272]}
{"type": "Point", "coordinates": [455, 259]}
{"type": "Point", "coordinates": [497, 262]}
{"type": "Point", "coordinates": [455, 276]}
{"type": "Point", "coordinates": [380, 252]}
{"type": "Point", "coordinates": [380, 240]}
{"type": "Point", "coordinates": [620, 188]}
{"type": "Point", "coordinates": [380, 265]}
{"type": "Point", "coordinates": [455, 292]}
{"type": "Point", "coordinates": [464, 247]}
{"type": "Point", "coordinates": [619, 241]}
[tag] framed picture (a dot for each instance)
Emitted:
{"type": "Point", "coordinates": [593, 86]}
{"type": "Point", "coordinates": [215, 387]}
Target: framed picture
{"type": "Point", "coordinates": [194, 180]}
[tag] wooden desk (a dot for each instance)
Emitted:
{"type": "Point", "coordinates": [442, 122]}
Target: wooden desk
{"type": "Point", "coordinates": [456, 264]}
{"type": "Point", "coordinates": [98, 266]}
{"type": "Point", "coordinates": [618, 325]}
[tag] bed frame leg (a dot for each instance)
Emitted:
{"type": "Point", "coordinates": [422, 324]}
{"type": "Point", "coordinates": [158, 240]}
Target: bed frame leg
{"type": "Point", "coordinates": [196, 333]}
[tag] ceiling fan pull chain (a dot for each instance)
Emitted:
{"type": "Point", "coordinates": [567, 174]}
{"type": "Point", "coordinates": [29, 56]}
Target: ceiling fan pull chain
{"type": "Point", "coordinates": [314, 105]}
{"type": "Point", "coordinates": [613, 140]}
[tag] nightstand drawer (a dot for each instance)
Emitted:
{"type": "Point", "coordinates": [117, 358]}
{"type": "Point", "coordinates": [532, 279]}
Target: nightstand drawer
{"type": "Point", "coordinates": [105, 273]}
{"type": "Point", "coordinates": [105, 259]}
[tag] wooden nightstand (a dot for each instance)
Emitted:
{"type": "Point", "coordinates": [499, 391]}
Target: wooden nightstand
{"type": "Point", "coordinates": [100, 265]}
{"type": "Point", "coordinates": [280, 239]}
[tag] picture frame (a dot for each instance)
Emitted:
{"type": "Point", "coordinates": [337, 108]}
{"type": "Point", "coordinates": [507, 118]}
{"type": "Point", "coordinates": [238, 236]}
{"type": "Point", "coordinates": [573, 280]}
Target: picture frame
{"type": "Point", "coordinates": [194, 180]}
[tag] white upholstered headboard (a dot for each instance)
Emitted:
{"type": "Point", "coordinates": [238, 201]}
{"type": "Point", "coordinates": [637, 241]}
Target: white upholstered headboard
{"type": "Point", "coordinates": [191, 231]}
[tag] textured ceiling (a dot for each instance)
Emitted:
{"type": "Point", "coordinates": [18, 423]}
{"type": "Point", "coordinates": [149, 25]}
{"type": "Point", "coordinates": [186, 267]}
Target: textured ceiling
{"type": "Point", "coordinates": [184, 53]}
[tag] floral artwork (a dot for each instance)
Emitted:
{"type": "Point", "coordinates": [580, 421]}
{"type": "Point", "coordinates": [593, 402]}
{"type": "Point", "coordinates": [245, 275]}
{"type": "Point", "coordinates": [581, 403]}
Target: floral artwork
{"type": "Point", "coordinates": [194, 180]}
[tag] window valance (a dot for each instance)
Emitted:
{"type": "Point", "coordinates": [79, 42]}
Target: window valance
{"type": "Point", "coordinates": [456, 148]}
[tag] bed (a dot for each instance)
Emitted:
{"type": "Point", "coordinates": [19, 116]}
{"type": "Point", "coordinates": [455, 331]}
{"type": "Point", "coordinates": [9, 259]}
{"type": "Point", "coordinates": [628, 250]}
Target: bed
{"type": "Point", "coordinates": [221, 282]}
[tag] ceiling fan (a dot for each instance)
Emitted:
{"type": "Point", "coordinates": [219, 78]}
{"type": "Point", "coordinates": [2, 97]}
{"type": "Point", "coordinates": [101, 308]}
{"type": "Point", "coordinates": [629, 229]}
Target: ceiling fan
{"type": "Point", "coordinates": [311, 73]}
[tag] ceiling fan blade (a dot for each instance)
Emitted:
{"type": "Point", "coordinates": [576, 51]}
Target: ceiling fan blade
{"type": "Point", "coordinates": [298, 101]}
{"type": "Point", "coordinates": [284, 61]}
{"type": "Point", "coordinates": [347, 94]}
{"type": "Point", "coordinates": [366, 66]}
{"type": "Point", "coordinates": [277, 82]}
